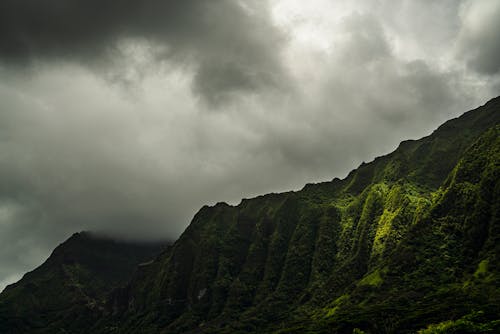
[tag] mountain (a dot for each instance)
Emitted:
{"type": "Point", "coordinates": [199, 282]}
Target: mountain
{"type": "Point", "coordinates": [407, 242]}
{"type": "Point", "coordinates": [72, 285]}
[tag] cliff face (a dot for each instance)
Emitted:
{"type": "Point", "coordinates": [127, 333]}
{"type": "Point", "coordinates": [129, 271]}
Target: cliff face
{"type": "Point", "coordinates": [395, 246]}
{"type": "Point", "coordinates": [402, 242]}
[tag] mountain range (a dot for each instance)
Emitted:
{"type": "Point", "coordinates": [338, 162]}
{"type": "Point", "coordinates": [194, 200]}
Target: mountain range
{"type": "Point", "coordinates": [409, 242]}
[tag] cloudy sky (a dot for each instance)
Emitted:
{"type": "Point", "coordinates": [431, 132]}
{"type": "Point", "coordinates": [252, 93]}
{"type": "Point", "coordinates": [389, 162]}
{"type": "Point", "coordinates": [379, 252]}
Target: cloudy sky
{"type": "Point", "coordinates": [126, 117]}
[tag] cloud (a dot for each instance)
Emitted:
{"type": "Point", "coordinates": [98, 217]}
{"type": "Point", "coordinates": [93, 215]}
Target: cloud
{"type": "Point", "coordinates": [364, 100]}
{"type": "Point", "coordinates": [232, 47]}
{"type": "Point", "coordinates": [479, 42]}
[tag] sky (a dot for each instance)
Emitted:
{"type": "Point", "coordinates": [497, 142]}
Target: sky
{"type": "Point", "coordinates": [126, 117]}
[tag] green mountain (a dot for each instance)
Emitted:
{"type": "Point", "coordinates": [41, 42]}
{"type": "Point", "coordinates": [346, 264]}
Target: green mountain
{"type": "Point", "coordinates": [72, 285]}
{"type": "Point", "coordinates": [407, 242]}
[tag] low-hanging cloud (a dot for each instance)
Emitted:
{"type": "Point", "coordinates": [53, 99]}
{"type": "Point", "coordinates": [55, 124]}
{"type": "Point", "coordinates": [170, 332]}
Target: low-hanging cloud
{"type": "Point", "coordinates": [226, 100]}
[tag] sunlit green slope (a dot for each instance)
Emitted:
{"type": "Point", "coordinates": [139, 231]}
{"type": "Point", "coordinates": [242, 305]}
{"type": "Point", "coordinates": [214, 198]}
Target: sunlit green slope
{"type": "Point", "coordinates": [407, 242]}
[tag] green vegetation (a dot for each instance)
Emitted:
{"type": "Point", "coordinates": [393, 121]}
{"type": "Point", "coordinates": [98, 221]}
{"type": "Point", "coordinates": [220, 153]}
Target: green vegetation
{"type": "Point", "coordinates": [71, 287]}
{"type": "Point", "coordinates": [471, 323]}
{"type": "Point", "coordinates": [407, 242]}
{"type": "Point", "coordinates": [482, 269]}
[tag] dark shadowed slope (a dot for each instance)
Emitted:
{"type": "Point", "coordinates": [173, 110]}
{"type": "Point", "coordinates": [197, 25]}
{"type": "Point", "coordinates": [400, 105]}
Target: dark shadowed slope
{"type": "Point", "coordinates": [72, 284]}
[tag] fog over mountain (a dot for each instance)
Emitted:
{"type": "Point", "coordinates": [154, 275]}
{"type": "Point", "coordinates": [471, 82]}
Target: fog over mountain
{"type": "Point", "coordinates": [125, 117]}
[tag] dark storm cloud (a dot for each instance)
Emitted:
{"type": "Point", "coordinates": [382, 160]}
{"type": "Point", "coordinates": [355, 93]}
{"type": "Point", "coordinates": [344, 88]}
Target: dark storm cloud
{"type": "Point", "coordinates": [232, 47]}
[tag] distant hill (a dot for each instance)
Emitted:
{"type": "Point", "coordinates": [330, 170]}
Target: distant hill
{"type": "Point", "coordinates": [72, 285]}
{"type": "Point", "coordinates": [407, 242]}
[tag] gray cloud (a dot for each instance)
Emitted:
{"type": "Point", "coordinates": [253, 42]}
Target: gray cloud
{"type": "Point", "coordinates": [233, 47]}
{"type": "Point", "coordinates": [479, 40]}
{"type": "Point", "coordinates": [364, 101]}
{"type": "Point", "coordinates": [79, 153]}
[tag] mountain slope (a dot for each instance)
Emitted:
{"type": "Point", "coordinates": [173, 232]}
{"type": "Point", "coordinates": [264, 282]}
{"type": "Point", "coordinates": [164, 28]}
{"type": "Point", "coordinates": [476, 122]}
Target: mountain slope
{"type": "Point", "coordinates": [348, 253]}
{"type": "Point", "coordinates": [407, 240]}
{"type": "Point", "coordinates": [446, 266]}
{"type": "Point", "coordinates": [71, 286]}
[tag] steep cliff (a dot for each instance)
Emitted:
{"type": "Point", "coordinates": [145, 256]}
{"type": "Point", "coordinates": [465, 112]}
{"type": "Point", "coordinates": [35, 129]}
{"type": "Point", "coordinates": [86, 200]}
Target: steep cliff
{"type": "Point", "coordinates": [408, 240]}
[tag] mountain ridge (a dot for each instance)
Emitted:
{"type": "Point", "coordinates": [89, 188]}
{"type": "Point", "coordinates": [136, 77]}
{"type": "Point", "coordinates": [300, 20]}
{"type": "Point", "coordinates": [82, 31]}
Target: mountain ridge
{"type": "Point", "coordinates": [279, 277]}
{"type": "Point", "coordinates": [402, 242]}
